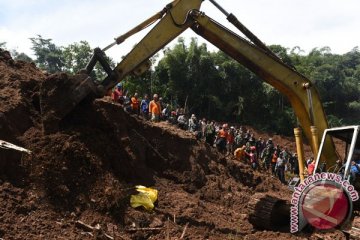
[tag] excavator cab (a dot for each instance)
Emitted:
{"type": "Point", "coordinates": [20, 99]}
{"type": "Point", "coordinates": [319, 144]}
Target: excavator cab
{"type": "Point", "coordinates": [347, 145]}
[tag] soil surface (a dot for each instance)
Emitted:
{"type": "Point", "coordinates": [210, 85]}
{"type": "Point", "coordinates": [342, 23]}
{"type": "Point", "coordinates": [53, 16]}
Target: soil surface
{"type": "Point", "coordinates": [87, 170]}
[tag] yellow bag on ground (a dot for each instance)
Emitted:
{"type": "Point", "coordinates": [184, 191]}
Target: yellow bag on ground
{"type": "Point", "coordinates": [146, 198]}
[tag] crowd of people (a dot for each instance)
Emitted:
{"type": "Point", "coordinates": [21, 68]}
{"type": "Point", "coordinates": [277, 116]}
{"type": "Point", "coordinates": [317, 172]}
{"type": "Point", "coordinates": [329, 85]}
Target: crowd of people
{"type": "Point", "coordinates": [260, 153]}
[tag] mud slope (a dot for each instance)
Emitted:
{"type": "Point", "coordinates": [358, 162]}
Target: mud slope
{"type": "Point", "coordinates": [87, 170]}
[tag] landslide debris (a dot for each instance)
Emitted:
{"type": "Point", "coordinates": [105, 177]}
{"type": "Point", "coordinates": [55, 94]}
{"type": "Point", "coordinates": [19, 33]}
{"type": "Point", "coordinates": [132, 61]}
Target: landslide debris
{"type": "Point", "coordinates": [86, 172]}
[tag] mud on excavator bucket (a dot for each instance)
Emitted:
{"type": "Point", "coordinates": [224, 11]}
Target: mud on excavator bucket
{"type": "Point", "coordinates": [60, 93]}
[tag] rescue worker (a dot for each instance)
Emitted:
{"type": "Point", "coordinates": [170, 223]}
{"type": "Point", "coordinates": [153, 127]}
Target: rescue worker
{"type": "Point", "coordinates": [166, 112]}
{"type": "Point", "coordinates": [182, 120]}
{"type": "Point", "coordinates": [240, 153]}
{"type": "Point", "coordinates": [193, 124]}
{"type": "Point", "coordinates": [135, 104]}
{"type": "Point", "coordinates": [203, 127]}
{"type": "Point", "coordinates": [239, 140]}
{"type": "Point", "coordinates": [210, 133]}
{"type": "Point", "coordinates": [260, 146]}
{"type": "Point", "coordinates": [252, 157]}
{"type": "Point", "coordinates": [273, 163]}
{"type": "Point", "coordinates": [355, 169]}
{"type": "Point", "coordinates": [155, 109]}
{"type": "Point", "coordinates": [117, 94]}
{"type": "Point", "coordinates": [311, 167]}
{"type": "Point", "coordinates": [144, 106]}
{"type": "Point", "coordinates": [230, 140]}
{"type": "Point", "coordinates": [222, 139]}
{"type": "Point", "coordinates": [266, 156]}
{"type": "Point", "coordinates": [270, 143]}
{"type": "Point", "coordinates": [294, 164]}
{"type": "Point", "coordinates": [280, 169]}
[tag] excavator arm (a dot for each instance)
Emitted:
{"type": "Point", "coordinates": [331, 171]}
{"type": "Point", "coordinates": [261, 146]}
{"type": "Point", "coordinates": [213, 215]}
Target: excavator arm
{"type": "Point", "coordinates": [302, 96]}
{"type": "Point", "coordinates": [296, 87]}
{"type": "Point", "coordinates": [180, 15]}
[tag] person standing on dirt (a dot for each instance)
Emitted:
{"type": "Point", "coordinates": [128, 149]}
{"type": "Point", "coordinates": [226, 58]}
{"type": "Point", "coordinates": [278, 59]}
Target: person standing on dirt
{"type": "Point", "coordinates": [266, 156]}
{"type": "Point", "coordinates": [166, 112]}
{"type": "Point", "coordinates": [182, 120]}
{"type": "Point", "coordinates": [252, 157]}
{"type": "Point", "coordinates": [155, 109]}
{"type": "Point", "coordinates": [230, 140]}
{"type": "Point", "coordinates": [222, 139]}
{"type": "Point", "coordinates": [193, 123]}
{"type": "Point", "coordinates": [273, 163]}
{"type": "Point", "coordinates": [117, 94]}
{"type": "Point", "coordinates": [280, 169]}
{"type": "Point", "coordinates": [135, 104]}
{"type": "Point", "coordinates": [247, 136]}
{"type": "Point", "coordinates": [210, 133]}
{"type": "Point", "coordinates": [354, 169]}
{"type": "Point", "coordinates": [144, 106]}
{"type": "Point", "coordinates": [270, 143]}
{"type": "Point", "coordinates": [311, 167]}
{"type": "Point", "coordinates": [307, 162]}
{"type": "Point", "coordinates": [240, 153]}
{"type": "Point", "coordinates": [260, 145]}
{"type": "Point", "coordinates": [294, 164]}
{"type": "Point", "coordinates": [203, 127]}
{"type": "Point", "coordinates": [277, 150]}
{"type": "Point", "coordinates": [239, 140]}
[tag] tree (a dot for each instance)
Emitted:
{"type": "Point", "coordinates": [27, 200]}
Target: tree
{"type": "Point", "coordinates": [3, 45]}
{"type": "Point", "coordinates": [76, 56]}
{"type": "Point", "coordinates": [20, 56]}
{"type": "Point", "coordinates": [49, 57]}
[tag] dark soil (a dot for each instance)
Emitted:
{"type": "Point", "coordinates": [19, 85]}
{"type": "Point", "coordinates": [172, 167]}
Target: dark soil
{"type": "Point", "coordinates": [87, 171]}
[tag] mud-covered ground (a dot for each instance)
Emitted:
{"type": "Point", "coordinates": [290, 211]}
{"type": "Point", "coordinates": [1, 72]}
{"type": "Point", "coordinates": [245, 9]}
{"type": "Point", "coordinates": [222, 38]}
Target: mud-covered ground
{"type": "Point", "coordinates": [86, 171]}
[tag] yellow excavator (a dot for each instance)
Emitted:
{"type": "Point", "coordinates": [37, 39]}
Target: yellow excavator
{"type": "Point", "coordinates": [170, 22]}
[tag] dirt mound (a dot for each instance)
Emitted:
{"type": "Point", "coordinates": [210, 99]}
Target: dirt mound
{"type": "Point", "coordinates": [88, 169]}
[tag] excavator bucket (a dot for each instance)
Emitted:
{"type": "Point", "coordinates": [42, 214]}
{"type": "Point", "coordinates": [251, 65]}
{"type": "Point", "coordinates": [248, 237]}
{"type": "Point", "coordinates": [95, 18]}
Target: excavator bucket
{"type": "Point", "coordinates": [60, 94]}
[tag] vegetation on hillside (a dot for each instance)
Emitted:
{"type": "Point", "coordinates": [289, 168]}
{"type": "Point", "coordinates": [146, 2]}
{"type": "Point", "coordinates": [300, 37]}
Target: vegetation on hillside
{"type": "Point", "coordinates": [217, 87]}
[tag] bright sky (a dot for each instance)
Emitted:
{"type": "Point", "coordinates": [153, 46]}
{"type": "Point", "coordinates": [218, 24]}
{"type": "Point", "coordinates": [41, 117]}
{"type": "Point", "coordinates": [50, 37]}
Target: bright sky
{"type": "Point", "coordinates": [304, 23]}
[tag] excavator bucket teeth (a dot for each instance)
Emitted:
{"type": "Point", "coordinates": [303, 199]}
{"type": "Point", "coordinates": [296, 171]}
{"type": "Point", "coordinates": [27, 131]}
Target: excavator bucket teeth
{"type": "Point", "coordinates": [59, 95]}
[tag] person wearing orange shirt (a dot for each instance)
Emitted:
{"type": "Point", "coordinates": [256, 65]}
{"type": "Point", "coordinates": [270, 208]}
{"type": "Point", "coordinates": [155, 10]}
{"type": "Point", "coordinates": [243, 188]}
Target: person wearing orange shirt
{"type": "Point", "coordinates": [155, 109]}
{"type": "Point", "coordinates": [222, 138]}
{"type": "Point", "coordinates": [240, 153]}
{"type": "Point", "coordinates": [135, 104]}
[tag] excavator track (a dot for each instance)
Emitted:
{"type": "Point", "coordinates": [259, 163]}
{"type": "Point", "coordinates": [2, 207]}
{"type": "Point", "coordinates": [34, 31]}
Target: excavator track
{"type": "Point", "coordinates": [269, 212]}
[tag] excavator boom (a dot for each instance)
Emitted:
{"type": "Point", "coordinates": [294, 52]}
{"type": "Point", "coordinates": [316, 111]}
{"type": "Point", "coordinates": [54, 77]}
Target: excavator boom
{"type": "Point", "coordinates": [176, 17]}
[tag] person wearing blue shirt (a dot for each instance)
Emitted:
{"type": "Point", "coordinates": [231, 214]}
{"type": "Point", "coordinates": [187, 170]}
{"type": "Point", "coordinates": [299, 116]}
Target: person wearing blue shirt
{"type": "Point", "coordinates": [355, 169]}
{"type": "Point", "coordinates": [144, 106]}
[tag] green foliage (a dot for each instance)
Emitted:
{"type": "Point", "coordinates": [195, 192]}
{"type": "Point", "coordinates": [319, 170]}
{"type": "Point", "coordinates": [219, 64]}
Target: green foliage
{"type": "Point", "coordinates": [216, 87]}
{"type": "Point", "coordinates": [48, 56]}
{"type": "Point", "coordinates": [70, 59]}
{"type": "Point", "coordinates": [77, 55]}
{"type": "Point", "coordinates": [20, 56]}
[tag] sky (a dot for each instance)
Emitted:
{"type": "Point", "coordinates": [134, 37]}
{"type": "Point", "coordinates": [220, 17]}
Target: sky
{"type": "Point", "coordinates": [304, 23]}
